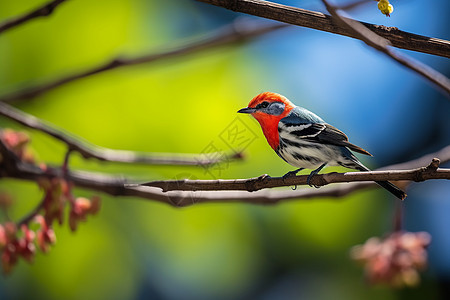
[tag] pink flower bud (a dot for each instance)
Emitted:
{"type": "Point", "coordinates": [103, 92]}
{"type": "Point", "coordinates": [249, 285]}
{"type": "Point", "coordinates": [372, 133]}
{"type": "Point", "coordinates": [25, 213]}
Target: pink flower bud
{"type": "Point", "coordinates": [82, 205]}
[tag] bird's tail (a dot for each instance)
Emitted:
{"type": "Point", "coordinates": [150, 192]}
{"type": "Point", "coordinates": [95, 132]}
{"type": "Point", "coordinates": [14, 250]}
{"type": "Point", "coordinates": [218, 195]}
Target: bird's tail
{"type": "Point", "coordinates": [389, 186]}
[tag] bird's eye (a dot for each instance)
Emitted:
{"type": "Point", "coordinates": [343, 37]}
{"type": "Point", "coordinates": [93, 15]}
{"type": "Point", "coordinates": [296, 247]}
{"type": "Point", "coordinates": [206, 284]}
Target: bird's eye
{"type": "Point", "coordinates": [263, 104]}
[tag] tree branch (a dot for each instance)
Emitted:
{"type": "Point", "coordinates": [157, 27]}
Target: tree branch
{"type": "Point", "coordinates": [43, 11]}
{"type": "Point", "coordinates": [381, 44]}
{"type": "Point", "coordinates": [236, 32]}
{"type": "Point", "coordinates": [88, 150]}
{"type": "Point", "coordinates": [11, 167]}
{"type": "Point", "coordinates": [320, 21]}
{"type": "Point", "coordinates": [265, 181]}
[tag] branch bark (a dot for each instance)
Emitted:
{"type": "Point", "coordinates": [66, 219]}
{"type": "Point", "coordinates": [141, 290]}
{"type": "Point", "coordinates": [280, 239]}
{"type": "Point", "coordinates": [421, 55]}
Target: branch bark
{"type": "Point", "coordinates": [88, 150]}
{"type": "Point", "coordinates": [323, 22]}
{"type": "Point", "coordinates": [265, 181]}
{"type": "Point", "coordinates": [11, 167]}
{"type": "Point", "coordinates": [43, 11]}
{"type": "Point", "coordinates": [381, 44]}
{"type": "Point", "coordinates": [236, 32]}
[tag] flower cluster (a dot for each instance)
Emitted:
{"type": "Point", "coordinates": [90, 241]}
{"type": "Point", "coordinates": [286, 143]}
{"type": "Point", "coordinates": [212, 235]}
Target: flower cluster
{"type": "Point", "coordinates": [21, 242]}
{"type": "Point", "coordinates": [18, 239]}
{"type": "Point", "coordinates": [16, 243]}
{"type": "Point", "coordinates": [58, 192]}
{"type": "Point", "coordinates": [394, 260]}
{"type": "Point", "coordinates": [45, 236]}
{"type": "Point", "coordinates": [385, 7]}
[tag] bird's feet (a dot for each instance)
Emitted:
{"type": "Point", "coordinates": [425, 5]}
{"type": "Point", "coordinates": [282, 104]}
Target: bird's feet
{"type": "Point", "coordinates": [311, 175]}
{"type": "Point", "coordinates": [291, 173]}
{"type": "Point", "coordinates": [308, 180]}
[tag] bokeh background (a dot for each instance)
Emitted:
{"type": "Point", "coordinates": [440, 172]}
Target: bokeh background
{"type": "Point", "coordinates": [136, 249]}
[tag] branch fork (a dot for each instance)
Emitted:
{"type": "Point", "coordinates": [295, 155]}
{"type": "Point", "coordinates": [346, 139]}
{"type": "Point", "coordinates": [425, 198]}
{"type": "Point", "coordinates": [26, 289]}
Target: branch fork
{"type": "Point", "coordinates": [431, 168]}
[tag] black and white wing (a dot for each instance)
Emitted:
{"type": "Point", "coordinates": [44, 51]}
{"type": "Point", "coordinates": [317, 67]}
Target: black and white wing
{"type": "Point", "coordinates": [292, 131]}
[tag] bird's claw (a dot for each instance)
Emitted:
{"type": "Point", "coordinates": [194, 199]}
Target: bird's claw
{"type": "Point", "coordinates": [291, 173]}
{"type": "Point", "coordinates": [310, 176]}
{"type": "Point", "coordinates": [308, 181]}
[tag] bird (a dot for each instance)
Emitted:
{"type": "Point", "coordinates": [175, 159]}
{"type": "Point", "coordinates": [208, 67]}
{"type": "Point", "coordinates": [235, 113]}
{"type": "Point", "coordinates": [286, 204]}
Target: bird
{"type": "Point", "coordinates": [304, 140]}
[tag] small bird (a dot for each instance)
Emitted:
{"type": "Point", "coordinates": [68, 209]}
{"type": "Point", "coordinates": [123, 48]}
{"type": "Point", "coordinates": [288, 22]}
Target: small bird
{"type": "Point", "coordinates": [304, 140]}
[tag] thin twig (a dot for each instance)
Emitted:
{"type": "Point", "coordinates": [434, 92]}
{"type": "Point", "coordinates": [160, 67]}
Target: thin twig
{"type": "Point", "coordinates": [43, 11]}
{"type": "Point", "coordinates": [118, 186]}
{"type": "Point", "coordinates": [238, 31]}
{"type": "Point", "coordinates": [383, 45]}
{"type": "Point", "coordinates": [30, 216]}
{"type": "Point", "coordinates": [88, 150]}
{"type": "Point", "coordinates": [65, 165]}
{"type": "Point", "coordinates": [443, 154]}
{"type": "Point", "coordinates": [323, 22]}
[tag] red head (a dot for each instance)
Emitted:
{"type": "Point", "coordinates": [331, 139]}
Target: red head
{"type": "Point", "coordinates": [268, 109]}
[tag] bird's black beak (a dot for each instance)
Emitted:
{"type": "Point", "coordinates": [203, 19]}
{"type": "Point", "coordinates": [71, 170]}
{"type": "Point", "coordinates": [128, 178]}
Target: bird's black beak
{"type": "Point", "coordinates": [247, 110]}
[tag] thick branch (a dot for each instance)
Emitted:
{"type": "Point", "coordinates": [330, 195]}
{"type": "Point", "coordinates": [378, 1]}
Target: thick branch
{"type": "Point", "coordinates": [88, 150]}
{"type": "Point", "coordinates": [320, 21]}
{"type": "Point", "coordinates": [377, 42]}
{"type": "Point", "coordinates": [43, 11]}
{"type": "Point", "coordinates": [239, 31]}
{"type": "Point", "coordinates": [264, 181]}
{"type": "Point", "coordinates": [118, 186]}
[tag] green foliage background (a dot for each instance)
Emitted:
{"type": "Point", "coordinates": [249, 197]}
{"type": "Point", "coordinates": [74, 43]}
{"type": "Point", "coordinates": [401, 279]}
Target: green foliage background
{"type": "Point", "coordinates": [136, 249]}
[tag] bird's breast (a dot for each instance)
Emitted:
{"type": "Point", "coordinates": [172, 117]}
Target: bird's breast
{"type": "Point", "coordinates": [269, 127]}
